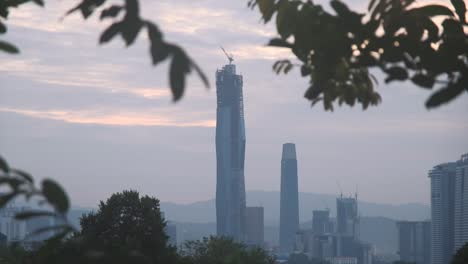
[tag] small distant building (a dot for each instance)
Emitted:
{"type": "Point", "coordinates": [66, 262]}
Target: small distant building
{"type": "Point", "coordinates": [347, 218]}
{"type": "Point", "coordinates": [321, 223]}
{"type": "Point", "coordinates": [255, 226]}
{"type": "Point", "coordinates": [414, 241]}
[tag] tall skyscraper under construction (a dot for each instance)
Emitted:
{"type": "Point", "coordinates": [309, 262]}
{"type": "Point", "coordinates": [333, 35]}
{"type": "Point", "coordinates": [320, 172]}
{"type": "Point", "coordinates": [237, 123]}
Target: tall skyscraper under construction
{"type": "Point", "coordinates": [230, 154]}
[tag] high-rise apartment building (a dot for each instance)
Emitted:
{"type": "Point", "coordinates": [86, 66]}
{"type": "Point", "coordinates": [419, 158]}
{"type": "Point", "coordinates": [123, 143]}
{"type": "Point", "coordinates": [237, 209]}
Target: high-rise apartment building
{"type": "Point", "coordinates": [347, 218]}
{"type": "Point", "coordinates": [321, 223]}
{"type": "Point", "coordinates": [255, 226]}
{"type": "Point", "coordinates": [289, 200]}
{"type": "Point", "coordinates": [230, 154]}
{"type": "Point", "coordinates": [414, 241]}
{"type": "Point", "coordinates": [461, 203]}
{"type": "Point", "coordinates": [442, 212]}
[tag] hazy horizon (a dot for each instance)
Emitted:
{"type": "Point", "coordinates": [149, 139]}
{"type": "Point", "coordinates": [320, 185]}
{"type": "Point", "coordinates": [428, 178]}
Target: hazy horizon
{"type": "Point", "coordinates": [99, 123]}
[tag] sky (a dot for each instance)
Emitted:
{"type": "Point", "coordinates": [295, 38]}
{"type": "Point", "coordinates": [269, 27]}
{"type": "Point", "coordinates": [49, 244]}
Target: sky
{"type": "Point", "coordinates": [100, 119]}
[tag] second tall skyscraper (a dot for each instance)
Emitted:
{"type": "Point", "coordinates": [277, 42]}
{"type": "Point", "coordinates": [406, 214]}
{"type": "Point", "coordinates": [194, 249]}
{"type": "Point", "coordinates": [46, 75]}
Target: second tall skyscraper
{"type": "Point", "coordinates": [289, 204]}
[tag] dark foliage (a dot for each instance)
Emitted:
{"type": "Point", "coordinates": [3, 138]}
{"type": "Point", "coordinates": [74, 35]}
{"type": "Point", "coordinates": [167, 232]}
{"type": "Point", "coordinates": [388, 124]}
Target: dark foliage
{"type": "Point", "coordinates": [126, 228]}
{"type": "Point", "coordinates": [5, 8]}
{"type": "Point", "coordinates": [336, 50]}
{"type": "Point", "coordinates": [16, 183]}
{"type": "Point", "coordinates": [215, 250]}
{"type": "Point", "coordinates": [301, 258]}
{"type": "Point", "coordinates": [461, 257]}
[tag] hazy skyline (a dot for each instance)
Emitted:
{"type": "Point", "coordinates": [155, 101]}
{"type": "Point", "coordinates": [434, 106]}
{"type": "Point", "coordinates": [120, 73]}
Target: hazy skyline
{"type": "Point", "coordinates": [100, 119]}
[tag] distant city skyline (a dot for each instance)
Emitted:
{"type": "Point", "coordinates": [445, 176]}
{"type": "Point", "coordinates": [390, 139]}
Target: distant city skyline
{"type": "Point", "coordinates": [76, 113]}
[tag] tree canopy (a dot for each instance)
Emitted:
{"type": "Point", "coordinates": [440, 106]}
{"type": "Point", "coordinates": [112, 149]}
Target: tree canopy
{"type": "Point", "coordinates": [126, 228]}
{"type": "Point", "coordinates": [221, 250]}
{"type": "Point", "coordinates": [461, 257]}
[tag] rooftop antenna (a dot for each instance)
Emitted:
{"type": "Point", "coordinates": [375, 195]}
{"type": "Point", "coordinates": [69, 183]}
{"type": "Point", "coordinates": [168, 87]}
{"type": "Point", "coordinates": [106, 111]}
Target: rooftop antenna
{"type": "Point", "coordinates": [356, 194]}
{"type": "Point", "coordinates": [229, 56]}
{"type": "Point", "coordinates": [341, 190]}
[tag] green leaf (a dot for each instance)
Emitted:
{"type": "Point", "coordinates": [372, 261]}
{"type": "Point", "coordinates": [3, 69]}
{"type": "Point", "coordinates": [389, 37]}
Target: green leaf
{"type": "Point", "coordinates": [396, 73]}
{"type": "Point", "coordinates": [86, 7]}
{"type": "Point", "coordinates": [24, 175]}
{"type": "Point", "coordinates": [39, 2]}
{"type": "Point", "coordinates": [159, 50]}
{"type": "Point", "coordinates": [3, 28]}
{"type": "Point", "coordinates": [340, 8]}
{"type": "Point", "coordinates": [201, 74]}
{"type": "Point", "coordinates": [180, 66]}
{"type": "Point", "coordinates": [110, 32]}
{"type": "Point", "coordinates": [130, 30]}
{"type": "Point", "coordinates": [286, 18]}
{"type": "Point", "coordinates": [305, 70]}
{"type": "Point", "coordinates": [112, 11]}
{"type": "Point", "coordinates": [31, 214]}
{"type": "Point", "coordinates": [13, 182]}
{"type": "Point", "coordinates": [4, 165]}
{"type": "Point", "coordinates": [55, 195]}
{"type": "Point", "coordinates": [433, 10]}
{"type": "Point", "coordinates": [266, 8]}
{"type": "Point", "coordinates": [460, 9]}
{"type": "Point", "coordinates": [9, 48]}
{"type": "Point", "coordinates": [4, 199]}
{"type": "Point", "coordinates": [445, 95]}
{"type": "Point", "coordinates": [371, 5]}
{"type": "Point", "coordinates": [278, 42]}
{"type": "Point", "coordinates": [423, 80]}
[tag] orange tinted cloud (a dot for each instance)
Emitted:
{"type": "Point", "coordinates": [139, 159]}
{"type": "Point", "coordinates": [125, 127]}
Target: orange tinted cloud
{"type": "Point", "coordinates": [112, 119]}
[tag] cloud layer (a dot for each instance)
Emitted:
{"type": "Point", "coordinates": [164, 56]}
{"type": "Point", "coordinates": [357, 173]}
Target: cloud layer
{"type": "Point", "coordinates": [102, 116]}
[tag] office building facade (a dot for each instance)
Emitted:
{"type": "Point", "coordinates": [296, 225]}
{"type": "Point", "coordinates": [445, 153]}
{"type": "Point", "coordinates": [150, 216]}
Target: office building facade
{"type": "Point", "coordinates": [321, 223]}
{"type": "Point", "coordinates": [255, 226]}
{"type": "Point", "coordinates": [289, 199]}
{"type": "Point", "coordinates": [230, 154]}
{"type": "Point", "coordinates": [414, 241]}
{"type": "Point", "coordinates": [347, 218]}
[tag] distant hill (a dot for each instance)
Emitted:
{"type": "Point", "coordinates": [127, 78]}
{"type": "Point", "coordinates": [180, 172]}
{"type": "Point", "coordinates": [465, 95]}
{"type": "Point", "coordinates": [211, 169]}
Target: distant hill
{"type": "Point", "coordinates": [204, 212]}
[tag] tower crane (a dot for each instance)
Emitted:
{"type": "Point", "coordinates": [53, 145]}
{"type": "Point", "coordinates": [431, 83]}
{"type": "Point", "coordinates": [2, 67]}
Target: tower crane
{"type": "Point", "coordinates": [229, 56]}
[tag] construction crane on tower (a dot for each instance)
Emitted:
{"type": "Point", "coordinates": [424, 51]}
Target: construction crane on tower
{"type": "Point", "coordinates": [229, 56]}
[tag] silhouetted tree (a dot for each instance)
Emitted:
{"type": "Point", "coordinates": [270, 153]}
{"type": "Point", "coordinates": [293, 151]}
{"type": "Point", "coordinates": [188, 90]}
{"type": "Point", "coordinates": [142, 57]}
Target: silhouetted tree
{"type": "Point", "coordinates": [12, 254]}
{"type": "Point", "coordinates": [219, 250]}
{"type": "Point", "coordinates": [461, 257]}
{"type": "Point", "coordinates": [301, 258]}
{"type": "Point", "coordinates": [126, 228]}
